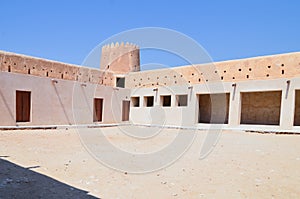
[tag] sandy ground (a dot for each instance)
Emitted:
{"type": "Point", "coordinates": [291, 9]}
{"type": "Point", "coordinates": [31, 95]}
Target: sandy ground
{"type": "Point", "coordinates": [54, 163]}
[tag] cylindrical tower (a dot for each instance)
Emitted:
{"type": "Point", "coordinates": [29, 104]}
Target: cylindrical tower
{"type": "Point", "coordinates": [120, 59]}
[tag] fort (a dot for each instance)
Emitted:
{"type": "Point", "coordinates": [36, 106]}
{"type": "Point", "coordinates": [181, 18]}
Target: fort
{"type": "Point", "coordinates": [260, 94]}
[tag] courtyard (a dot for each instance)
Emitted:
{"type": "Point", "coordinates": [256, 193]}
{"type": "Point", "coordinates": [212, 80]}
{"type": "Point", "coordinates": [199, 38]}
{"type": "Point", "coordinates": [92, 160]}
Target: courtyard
{"type": "Point", "coordinates": [56, 163]}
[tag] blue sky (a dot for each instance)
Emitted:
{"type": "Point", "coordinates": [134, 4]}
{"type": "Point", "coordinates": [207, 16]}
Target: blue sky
{"type": "Point", "coordinates": [68, 30]}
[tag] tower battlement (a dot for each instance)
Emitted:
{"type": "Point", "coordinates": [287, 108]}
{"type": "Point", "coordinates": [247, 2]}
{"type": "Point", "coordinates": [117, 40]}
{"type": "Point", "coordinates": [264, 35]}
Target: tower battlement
{"type": "Point", "coordinates": [121, 45]}
{"type": "Point", "coordinates": [120, 58]}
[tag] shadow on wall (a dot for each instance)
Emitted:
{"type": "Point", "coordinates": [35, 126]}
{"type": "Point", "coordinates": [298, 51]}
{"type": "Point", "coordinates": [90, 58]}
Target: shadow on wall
{"type": "Point", "coordinates": [8, 108]}
{"type": "Point", "coordinates": [19, 182]}
{"type": "Point", "coordinates": [62, 105]}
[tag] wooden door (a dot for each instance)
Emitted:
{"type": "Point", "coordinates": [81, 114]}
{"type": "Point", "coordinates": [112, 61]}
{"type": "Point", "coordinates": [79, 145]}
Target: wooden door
{"type": "Point", "coordinates": [125, 110]}
{"type": "Point", "coordinates": [23, 106]}
{"type": "Point", "coordinates": [98, 108]}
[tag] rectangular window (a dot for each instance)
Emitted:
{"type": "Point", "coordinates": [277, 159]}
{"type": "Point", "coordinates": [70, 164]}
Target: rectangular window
{"type": "Point", "coordinates": [125, 110]}
{"type": "Point", "coordinates": [23, 106]}
{"type": "Point", "coordinates": [149, 101]}
{"type": "Point", "coordinates": [165, 100]}
{"type": "Point", "coordinates": [261, 107]}
{"type": "Point", "coordinates": [135, 101]}
{"type": "Point", "coordinates": [98, 108]}
{"type": "Point", "coordinates": [181, 100]}
{"type": "Point", "coordinates": [120, 82]}
{"type": "Point", "coordinates": [214, 108]}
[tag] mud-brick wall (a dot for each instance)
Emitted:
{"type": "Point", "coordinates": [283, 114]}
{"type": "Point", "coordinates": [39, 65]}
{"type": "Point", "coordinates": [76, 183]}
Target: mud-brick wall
{"type": "Point", "coordinates": [261, 107]}
{"type": "Point", "coordinates": [15, 63]}
{"type": "Point", "coordinates": [258, 68]}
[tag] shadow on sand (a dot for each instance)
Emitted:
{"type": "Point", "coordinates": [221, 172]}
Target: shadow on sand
{"type": "Point", "coordinates": [19, 182]}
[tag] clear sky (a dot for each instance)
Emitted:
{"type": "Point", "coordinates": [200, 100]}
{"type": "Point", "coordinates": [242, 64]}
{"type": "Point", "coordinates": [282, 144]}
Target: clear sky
{"type": "Point", "coordinates": [68, 30]}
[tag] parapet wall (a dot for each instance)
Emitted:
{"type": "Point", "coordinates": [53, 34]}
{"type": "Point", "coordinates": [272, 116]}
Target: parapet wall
{"type": "Point", "coordinates": [15, 63]}
{"type": "Point", "coordinates": [120, 58]}
{"type": "Point", "coordinates": [259, 68]}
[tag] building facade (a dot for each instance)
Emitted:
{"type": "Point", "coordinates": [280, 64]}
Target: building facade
{"type": "Point", "coordinates": [261, 93]}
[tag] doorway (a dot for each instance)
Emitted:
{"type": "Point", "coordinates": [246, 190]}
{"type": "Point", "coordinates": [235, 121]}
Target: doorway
{"type": "Point", "coordinates": [213, 108]}
{"type": "Point", "coordinates": [125, 110]}
{"type": "Point", "coordinates": [297, 108]}
{"type": "Point", "coordinates": [23, 106]}
{"type": "Point", "coordinates": [261, 107]}
{"type": "Point", "coordinates": [98, 108]}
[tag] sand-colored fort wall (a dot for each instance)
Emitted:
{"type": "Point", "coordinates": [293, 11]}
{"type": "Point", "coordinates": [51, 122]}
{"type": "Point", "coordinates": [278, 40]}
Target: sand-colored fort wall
{"type": "Point", "coordinates": [15, 63]}
{"type": "Point", "coordinates": [259, 68]}
{"type": "Point", "coordinates": [261, 93]}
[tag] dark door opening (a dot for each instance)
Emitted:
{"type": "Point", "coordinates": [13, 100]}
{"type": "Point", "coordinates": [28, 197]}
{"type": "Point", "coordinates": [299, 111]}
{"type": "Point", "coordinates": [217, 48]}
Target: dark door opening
{"type": "Point", "coordinates": [23, 106]}
{"type": "Point", "coordinates": [125, 110]}
{"type": "Point", "coordinates": [297, 108]}
{"type": "Point", "coordinates": [98, 108]}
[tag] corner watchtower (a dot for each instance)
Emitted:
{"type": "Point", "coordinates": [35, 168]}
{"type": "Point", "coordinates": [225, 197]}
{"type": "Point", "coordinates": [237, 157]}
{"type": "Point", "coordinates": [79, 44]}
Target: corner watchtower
{"type": "Point", "coordinates": [120, 58]}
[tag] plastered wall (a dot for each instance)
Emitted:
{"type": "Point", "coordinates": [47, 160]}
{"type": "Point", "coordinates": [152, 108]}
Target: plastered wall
{"type": "Point", "coordinates": [269, 106]}
{"type": "Point", "coordinates": [58, 103]}
{"type": "Point", "coordinates": [270, 95]}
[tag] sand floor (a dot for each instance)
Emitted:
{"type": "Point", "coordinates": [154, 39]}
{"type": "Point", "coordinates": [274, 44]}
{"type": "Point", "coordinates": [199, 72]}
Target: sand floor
{"type": "Point", "coordinates": [55, 164]}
